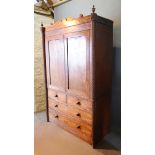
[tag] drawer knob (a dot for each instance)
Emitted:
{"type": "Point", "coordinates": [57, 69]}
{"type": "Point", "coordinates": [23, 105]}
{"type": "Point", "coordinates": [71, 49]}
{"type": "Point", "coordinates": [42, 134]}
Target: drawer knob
{"type": "Point", "coordinates": [78, 127]}
{"type": "Point", "coordinates": [56, 95]}
{"type": "Point", "coordinates": [78, 103]}
{"type": "Point", "coordinates": [78, 114]}
{"type": "Point", "coordinates": [56, 116]}
{"type": "Point", "coordinates": [56, 105]}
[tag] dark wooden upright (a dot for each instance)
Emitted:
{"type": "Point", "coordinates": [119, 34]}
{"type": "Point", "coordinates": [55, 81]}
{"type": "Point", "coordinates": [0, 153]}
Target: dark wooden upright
{"type": "Point", "coordinates": [78, 75]}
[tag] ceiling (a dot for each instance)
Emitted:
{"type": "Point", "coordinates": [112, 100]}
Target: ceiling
{"type": "Point", "coordinates": [52, 2]}
{"type": "Point", "coordinates": [46, 7]}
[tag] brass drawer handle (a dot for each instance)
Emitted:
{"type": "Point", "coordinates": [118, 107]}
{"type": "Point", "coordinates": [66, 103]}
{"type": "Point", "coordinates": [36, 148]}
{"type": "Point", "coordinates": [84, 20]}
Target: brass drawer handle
{"type": "Point", "coordinates": [78, 114]}
{"type": "Point", "coordinates": [78, 127]}
{"type": "Point", "coordinates": [56, 105]}
{"type": "Point", "coordinates": [56, 116]}
{"type": "Point", "coordinates": [56, 95]}
{"type": "Point", "coordinates": [78, 103]}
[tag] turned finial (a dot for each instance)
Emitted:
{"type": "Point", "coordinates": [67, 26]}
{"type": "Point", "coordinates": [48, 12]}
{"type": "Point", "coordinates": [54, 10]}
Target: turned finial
{"type": "Point", "coordinates": [81, 15]}
{"type": "Point", "coordinates": [42, 27]}
{"type": "Point", "coordinates": [42, 24]}
{"type": "Point", "coordinates": [93, 9]}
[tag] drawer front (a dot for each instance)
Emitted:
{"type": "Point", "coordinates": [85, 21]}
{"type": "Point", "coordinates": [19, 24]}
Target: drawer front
{"type": "Point", "coordinates": [76, 127]}
{"type": "Point", "coordinates": [57, 96]}
{"type": "Point", "coordinates": [71, 111]}
{"type": "Point", "coordinates": [57, 106]}
{"type": "Point", "coordinates": [79, 103]}
{"type": "Point", "coordinates": [79, 114]}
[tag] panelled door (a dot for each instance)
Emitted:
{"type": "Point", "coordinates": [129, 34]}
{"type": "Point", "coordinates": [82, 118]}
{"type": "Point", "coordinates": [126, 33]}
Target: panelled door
{"type": "Point", "coordinates": [77, 63]}
{"type": "Point", "coordinates": [55, 56]}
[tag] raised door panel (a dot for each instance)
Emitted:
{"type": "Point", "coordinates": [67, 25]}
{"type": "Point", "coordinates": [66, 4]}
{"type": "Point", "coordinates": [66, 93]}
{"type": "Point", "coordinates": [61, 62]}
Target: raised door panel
{"type": "Point", "coordinates": [56, 70]}
{"type": "Point", "coordinates": [78, 63]}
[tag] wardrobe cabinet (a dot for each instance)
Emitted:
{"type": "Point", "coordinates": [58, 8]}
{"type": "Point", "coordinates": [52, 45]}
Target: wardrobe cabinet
{"type": "Point", "coordinates": [78, 75]}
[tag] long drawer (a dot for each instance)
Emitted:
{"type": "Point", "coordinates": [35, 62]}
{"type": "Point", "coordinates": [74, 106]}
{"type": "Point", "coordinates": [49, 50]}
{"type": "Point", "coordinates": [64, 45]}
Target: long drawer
{"type": "Point", "coordinates": [56, 95]}
{"type": "Point", "coordinates": [79, 103]}
{"type": "Point", "coordinates": [74, 126]}
{"type": "Point", "coordinates": [71, 111]}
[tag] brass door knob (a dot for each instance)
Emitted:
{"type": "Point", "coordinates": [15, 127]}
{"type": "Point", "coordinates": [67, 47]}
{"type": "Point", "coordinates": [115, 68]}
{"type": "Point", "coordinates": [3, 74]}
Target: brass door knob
{"type": "Point", "coordinates": [56, 116]}
{"type": "Point", "coordinates": [78, 114]}
{"type": "Point", "coordinates": [56, 95]}
{"type": "Point", "coordinates": [78, 127]}
{"type": "Point", "coordinates": [78, 103]}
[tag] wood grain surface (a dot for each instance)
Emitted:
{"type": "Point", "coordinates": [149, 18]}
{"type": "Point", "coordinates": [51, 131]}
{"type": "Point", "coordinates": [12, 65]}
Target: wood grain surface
{"type": "Point", "coordinates": [79, 75]}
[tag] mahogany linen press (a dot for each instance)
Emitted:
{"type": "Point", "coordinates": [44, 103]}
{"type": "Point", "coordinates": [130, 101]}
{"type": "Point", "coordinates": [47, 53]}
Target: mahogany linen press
{"type": "Point", "coordinates": [78, 75]}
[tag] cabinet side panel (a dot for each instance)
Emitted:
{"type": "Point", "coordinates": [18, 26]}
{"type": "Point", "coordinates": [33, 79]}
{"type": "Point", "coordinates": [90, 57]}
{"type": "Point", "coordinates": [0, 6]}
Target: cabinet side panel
{"type": "Point", "coordinates": [102, 72]}
{"type": "Point", "coordinates": [101, 118]}
{"type": "Point", "coordinates": [103, 59]}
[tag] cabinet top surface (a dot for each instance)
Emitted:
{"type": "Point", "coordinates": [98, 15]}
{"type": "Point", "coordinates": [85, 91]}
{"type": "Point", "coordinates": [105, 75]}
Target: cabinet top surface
{"type": "Point", "coordinates": [67, 22]}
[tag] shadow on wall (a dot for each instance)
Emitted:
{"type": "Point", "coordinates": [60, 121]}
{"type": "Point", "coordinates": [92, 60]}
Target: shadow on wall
{"type": "Point", "coordinates": [112, 141]}
{"type": "Point", "coordinates": [116, 92]}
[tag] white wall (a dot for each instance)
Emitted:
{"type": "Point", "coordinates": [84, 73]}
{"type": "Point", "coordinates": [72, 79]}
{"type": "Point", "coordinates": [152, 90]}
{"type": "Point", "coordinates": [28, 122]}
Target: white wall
{"type": "Point", "coordinates": [106, 8]}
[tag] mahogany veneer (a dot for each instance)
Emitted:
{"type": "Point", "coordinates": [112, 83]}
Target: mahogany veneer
{"type": "Point", "coordinates": [78, 75]}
